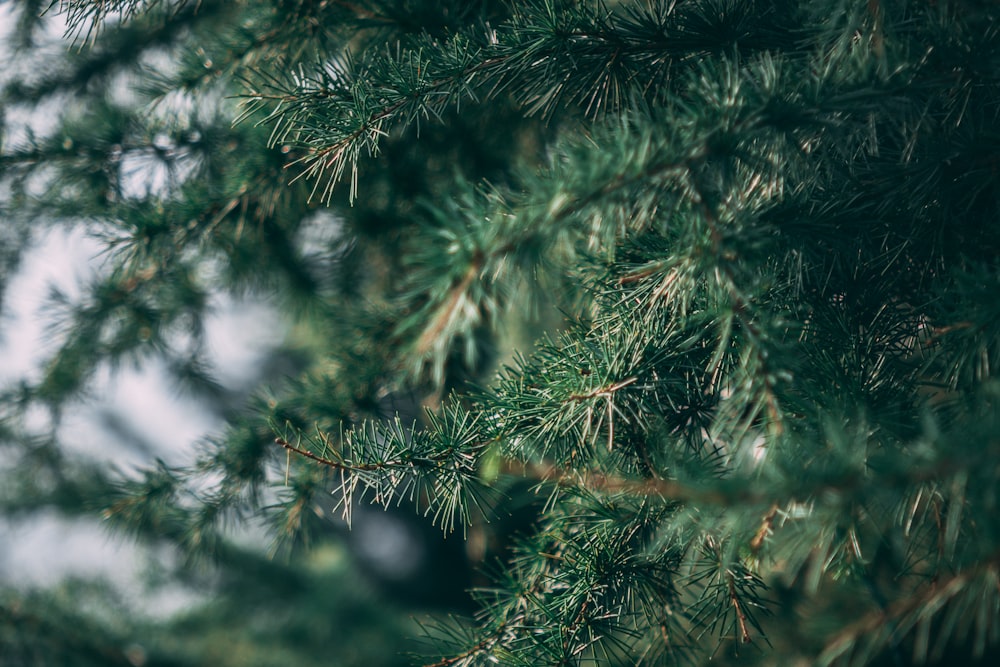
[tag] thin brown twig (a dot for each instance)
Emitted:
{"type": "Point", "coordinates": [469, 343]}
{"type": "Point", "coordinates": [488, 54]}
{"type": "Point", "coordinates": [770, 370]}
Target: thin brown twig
{"type": "Point", "coordinates": [765, 529]}
{"type": "Point", "coordinates": [337, 465]}
{"type": "Point", "coordinates": [604, 392]}
{"type": "Point", "coordinates": [309, 455]}
{"type": "Point", "coordinates": [360, 12]}
{"type": "Point", "coordinates": [447, 310]}
{"type": "Point", "coordinates": [483, 645]}
{"type": "Point", "coordinates": [934, 597]}
{"type": "Point", "coordinates": [740, 616]}
{"type": "Point", "coordinates": [597, 481]}
{"type": "Point", "coordinates": [641, 273]}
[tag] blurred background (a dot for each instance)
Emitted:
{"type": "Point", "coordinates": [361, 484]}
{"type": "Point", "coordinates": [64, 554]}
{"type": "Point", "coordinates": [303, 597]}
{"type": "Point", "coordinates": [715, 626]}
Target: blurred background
{"type": "Point", "coordinates": [74, 590]}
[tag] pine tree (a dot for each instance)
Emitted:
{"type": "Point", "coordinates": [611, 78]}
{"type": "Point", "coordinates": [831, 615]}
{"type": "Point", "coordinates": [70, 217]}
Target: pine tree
{"type": "Point", "coordinates": [696, 299]}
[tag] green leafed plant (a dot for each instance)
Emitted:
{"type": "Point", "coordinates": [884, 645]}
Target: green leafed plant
{"type": "Point", "coordinates": [681, 313]}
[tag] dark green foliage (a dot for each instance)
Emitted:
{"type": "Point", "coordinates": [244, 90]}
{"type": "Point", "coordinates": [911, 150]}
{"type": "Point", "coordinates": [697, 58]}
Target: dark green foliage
{"type": "Point", "coordinates": [683, 314]}
{"type": "Point", "coordinates": [321, 609]}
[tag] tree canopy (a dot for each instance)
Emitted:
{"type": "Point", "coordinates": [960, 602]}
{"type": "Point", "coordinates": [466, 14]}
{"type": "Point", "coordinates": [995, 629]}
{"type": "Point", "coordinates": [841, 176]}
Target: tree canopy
{"type": "Point", "coordinates": [681, 314]}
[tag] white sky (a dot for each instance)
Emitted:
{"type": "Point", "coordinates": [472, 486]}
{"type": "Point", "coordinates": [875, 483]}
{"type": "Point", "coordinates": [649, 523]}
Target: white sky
{"type": "Point", "coordinates": [144, 399]}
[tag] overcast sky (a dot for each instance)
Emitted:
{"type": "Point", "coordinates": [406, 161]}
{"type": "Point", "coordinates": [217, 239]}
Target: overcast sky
{"type": "Point", "coordinates": [143, 402]}
{"type": "Point", "coordinates": [133, 414]}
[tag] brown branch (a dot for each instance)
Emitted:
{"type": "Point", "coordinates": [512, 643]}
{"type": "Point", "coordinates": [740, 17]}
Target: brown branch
{"type": "Point", "coordinates": [936, 596]}
{"type": "Point", "coordinates": [366, 467]}
{"type": "Point", "coordinates": [361, 12]}
{"type": "Point", "coordinates": [877, 38]}
{"type": "Point", "coordinates": [447, 310]}
{"type": "Point", "coordinates": [938, 332]}
{"type": "Point", "coordinates": [337, 465]}
{"type": "Point", "coordinates": [309, 455]}
{"type": "Point", "coordinates": [740, 616]}
{"type": "Point", "coordinates": [597, 481]}
{"type": "Point", "coordinates": [639, 274]}
{"type": "Point", "coordinates": [483, 645]}
{"type": "Point", "coordinates": [765, 529]}
{"type": "Point", "coordinates": [604, 392]}
{"type": "Point", "coordinates": [733, 493]}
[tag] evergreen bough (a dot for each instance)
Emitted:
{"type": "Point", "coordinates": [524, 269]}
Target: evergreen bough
{"type": "Point", "coordinates": [756, 240]}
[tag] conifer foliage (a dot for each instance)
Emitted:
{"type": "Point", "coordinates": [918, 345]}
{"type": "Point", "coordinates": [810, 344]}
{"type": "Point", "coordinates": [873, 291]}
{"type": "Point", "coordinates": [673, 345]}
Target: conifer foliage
{"type": "Point", "coordinates": [710, 286]}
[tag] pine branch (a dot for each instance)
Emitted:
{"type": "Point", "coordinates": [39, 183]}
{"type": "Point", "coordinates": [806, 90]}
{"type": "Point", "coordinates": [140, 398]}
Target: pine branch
{"type": "Point", "coordinates": [944, 597]}
{"type": "Point", "coordinates": [335, 117]}
{"type": "Point", "coordinates": [744, 634]}
{"type": "Point", "coordinates": [438, 466]}
{"type": "Point", "coordinates": [763, 230]}
{"type": "Point", "coordinates": [448, 311]}
{"type": "Point", "coordinates": [483, 647]}
{"type": "Point", "coordinates": [303, 116]}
